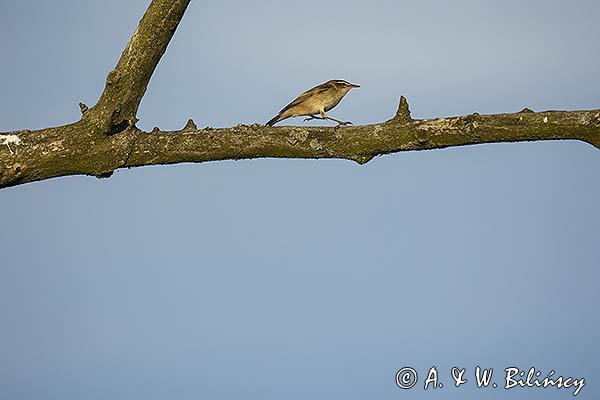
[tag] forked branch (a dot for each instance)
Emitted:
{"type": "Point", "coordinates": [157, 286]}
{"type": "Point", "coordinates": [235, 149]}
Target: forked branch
{"type": "Point", "coordinates": [106, 138]}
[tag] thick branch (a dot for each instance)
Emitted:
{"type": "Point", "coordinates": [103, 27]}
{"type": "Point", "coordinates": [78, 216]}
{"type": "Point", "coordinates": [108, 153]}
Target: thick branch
{"type": "Point", "coordinates": [30, 156]}
{"type": "Point", "coordinates": [126, 84]}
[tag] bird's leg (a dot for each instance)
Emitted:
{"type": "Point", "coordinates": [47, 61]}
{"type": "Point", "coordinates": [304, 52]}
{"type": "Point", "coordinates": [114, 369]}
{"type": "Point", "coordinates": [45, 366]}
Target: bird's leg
{"type": "Point", "coordinates": [324, 116]}
{"type": "Point", "coordinates": [339, 122]}
{"type": "Point", "coordinates": [313, 117]}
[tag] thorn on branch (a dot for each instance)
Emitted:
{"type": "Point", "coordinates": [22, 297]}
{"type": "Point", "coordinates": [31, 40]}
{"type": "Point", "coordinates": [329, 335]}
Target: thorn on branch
{"type": "Point", "coordinates": [190, 126]}
{"type": "Point", "coordinates": [83, 108]}
{"type": "Point", "coordinates": [526, 110]}
{"type": "Point", "coordinates": [362, 159]}
{"type": "Point", "coordinates": [403, 113]}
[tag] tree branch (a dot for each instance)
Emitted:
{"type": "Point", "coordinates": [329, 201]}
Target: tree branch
{"type": "Point", "coordinates": [106, 138]}
{"type": "Point", "coordinates": [126, 84]}
{"type": "Point", "coordinates": [360, 143]}
{"type": "Point", "coordinates": [28, 156]}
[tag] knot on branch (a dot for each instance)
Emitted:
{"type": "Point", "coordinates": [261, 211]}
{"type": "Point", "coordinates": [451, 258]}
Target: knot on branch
{"type": "Point", "coordinates": [403, 112]}
{"type": "Point", "coordinates": [190, 126]}
{"type": "Point", "coordinates": [422, 137]}
{"type": "Point", "coordinates": [116, 122]}
{"type": "Point", "coordinates": [113, 77]}
{"type": "Point", "coordinates": [13, 175]}
{"type": "Point", "coordinates": [118, 127]}
{"type": "Point", "coordinates": [104, 175]}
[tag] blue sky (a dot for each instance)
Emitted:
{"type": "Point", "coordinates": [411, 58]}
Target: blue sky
{"type": "Point", "coordinates": [303, 278]}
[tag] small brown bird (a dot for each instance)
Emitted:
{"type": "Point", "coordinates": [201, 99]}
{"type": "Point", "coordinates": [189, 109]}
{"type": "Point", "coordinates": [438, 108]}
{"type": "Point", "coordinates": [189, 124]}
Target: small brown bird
{"type": "Point", "coordinates": [317, 100]}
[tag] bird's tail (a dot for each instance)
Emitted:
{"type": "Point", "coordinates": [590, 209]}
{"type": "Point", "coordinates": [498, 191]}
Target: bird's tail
{"type": "Point", "coordinates": [275, 120]}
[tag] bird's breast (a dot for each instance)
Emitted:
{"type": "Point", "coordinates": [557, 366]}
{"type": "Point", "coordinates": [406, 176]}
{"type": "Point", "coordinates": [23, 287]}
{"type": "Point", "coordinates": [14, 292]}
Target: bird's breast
{"type": "Point", "coordinates": [331, 100]}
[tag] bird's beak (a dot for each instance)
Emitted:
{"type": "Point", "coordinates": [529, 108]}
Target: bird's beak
{"type": "Point", "coordinates": [353, 85]}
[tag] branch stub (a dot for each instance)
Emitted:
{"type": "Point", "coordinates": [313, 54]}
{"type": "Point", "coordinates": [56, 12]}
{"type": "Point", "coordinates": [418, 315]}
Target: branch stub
{"type": "Point", "coordinates": [403, 112]}
{"type": "Point", "coordinates": [190, 126]}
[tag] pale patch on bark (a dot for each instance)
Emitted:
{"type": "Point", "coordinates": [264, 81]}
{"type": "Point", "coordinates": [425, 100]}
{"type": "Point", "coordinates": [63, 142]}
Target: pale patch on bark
{"type": "Point", "coordinates": [7, 140]}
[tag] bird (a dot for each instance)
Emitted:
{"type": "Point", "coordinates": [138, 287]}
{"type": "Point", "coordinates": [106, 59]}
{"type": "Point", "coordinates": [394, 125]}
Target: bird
{"type": "Point", "coordinates": [315, 101]}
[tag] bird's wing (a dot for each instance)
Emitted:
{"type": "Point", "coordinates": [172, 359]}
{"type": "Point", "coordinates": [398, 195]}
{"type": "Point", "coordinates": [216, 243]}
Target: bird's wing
{"type": "Point", "coordinates": [311, 92]}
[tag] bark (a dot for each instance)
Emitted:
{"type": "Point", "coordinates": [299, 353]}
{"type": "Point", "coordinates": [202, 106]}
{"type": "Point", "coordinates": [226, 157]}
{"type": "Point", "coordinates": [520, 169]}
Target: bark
{"type": "Point", "coordinates": [106, 138]}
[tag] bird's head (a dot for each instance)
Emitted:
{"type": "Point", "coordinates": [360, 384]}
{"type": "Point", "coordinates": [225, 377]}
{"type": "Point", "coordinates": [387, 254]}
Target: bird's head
{"type": "Point", "coordinates": [343, 85]}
